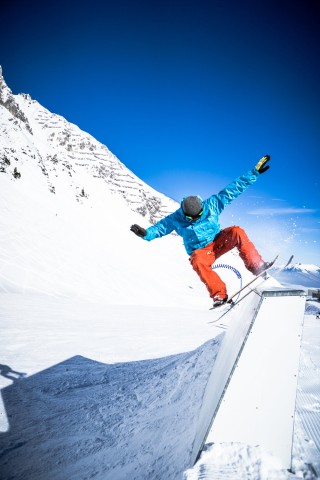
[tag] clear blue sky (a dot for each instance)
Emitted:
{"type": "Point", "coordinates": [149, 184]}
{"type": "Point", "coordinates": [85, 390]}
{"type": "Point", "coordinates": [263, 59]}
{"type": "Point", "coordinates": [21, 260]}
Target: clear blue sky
{"type": "Point", "coordinates": [188, 95]}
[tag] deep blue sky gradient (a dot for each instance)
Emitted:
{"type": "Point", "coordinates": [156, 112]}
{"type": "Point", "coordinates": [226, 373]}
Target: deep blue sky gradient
{"type": "Point", "coordinates": [188, 95]}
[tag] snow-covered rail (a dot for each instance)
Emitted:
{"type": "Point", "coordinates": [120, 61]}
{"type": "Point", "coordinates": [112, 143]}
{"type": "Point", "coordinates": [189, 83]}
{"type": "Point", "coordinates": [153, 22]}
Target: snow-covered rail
{"type": "Point", "coordinates": [251, 392]}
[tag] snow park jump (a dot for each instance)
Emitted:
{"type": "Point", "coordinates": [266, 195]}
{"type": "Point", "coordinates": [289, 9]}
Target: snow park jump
{"type": "Point", "coordinates": [247, 398]}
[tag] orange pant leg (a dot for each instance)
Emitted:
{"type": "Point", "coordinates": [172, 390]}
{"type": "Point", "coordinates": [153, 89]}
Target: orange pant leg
{"type": "Point", "coordinates": [232, 237]}
{"type": "Point", "coordinates": [229, 238]}
{"type": "Point", "coordinates": [201, 261]}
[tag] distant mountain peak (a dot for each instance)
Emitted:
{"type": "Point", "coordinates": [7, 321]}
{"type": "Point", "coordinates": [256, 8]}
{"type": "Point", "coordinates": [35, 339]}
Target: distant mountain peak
{"type": "Point", "coordinates": [299, 274]}
{"type": "Point", "coordinates": [302, 267]}
{"type": "Point", "coordinates": [69, 158]}
{"type": "Point", "coordinates": [8, 101]}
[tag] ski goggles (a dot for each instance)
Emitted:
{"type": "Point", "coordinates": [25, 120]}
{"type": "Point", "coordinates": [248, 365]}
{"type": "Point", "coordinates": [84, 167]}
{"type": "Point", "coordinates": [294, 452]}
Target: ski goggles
{"type": "Point", "coordinates": [195, 217]}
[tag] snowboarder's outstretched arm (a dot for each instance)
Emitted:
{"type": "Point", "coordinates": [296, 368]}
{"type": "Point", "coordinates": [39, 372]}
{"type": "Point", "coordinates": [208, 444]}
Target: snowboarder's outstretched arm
{"type": "Point", "coordinates": [215, 202]}
{"type": "Point", "coordinates": [239, 185]}
{"type": "Point", "coordinates": [161, 228]}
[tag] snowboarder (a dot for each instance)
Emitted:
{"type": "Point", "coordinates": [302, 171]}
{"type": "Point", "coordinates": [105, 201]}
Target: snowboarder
{"type": "Point", "coordinates": [197, 222]}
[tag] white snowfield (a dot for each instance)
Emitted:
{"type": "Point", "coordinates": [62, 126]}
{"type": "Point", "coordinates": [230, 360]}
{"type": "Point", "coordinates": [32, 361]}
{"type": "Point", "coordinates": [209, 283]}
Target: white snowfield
{"type": "Point", "coordinates": [107, 341]}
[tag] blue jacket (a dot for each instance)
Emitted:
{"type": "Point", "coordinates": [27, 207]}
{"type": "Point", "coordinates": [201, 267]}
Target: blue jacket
{"type": "Point", "coordinates": [199, 233]}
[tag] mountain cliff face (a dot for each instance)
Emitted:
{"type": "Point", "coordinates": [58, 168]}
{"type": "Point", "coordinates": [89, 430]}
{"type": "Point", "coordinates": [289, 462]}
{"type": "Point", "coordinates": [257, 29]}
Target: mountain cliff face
{"type": "Point", "coordinates": [67, 157]}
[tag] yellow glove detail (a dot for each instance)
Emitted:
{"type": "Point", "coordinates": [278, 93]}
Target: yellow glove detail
{"type": "Point", "coordinates": [261, 164]}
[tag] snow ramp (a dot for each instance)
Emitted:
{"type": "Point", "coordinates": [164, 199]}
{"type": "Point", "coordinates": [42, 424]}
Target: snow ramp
{"type": "Point", "coordinates": [251, 391]}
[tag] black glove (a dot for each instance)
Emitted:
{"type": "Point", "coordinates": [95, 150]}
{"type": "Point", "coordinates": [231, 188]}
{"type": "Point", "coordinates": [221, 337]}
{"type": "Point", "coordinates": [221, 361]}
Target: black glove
{"type": "Point", "coordinates": [141, 232]}
{"type": "Point", "coordinates": [261, 164]}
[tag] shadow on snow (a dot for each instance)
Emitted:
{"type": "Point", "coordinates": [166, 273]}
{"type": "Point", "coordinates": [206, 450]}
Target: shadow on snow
{"type": "Point", "coordinates": [82, 419]}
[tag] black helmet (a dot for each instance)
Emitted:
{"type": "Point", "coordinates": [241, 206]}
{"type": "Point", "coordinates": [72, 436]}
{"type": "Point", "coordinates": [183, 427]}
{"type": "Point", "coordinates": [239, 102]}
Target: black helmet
{"type": "Point", "coordinates": [192, 206]}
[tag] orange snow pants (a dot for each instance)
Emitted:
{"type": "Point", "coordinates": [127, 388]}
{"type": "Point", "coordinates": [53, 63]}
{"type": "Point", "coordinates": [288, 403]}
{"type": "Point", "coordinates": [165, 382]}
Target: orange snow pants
{"type": "Point", "coordinates": [202, 259]}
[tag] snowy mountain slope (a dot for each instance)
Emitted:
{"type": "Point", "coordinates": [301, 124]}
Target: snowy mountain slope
{"type": "Point", "coordinates": [60, 247]}
{"type": "Point", "coordinates": [67, 204]}
{"type": "Point", "coordinates": [69, 159]}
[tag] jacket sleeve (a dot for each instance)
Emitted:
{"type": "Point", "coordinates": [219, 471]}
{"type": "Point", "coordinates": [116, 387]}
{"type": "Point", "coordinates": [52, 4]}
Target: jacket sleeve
{"type": "Point", "coordinates": [233, 190]}
{"type": "Point", "coordinates": [160, 229]}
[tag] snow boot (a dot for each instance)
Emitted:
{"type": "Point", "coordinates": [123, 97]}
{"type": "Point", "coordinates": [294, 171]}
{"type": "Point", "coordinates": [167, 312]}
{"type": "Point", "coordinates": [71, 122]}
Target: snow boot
{"type": "Point", "coordinates": [217, 302]}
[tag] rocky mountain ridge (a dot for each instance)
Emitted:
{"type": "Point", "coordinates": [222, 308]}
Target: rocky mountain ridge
{"type": "Point", "coordinates": [31, 134]}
